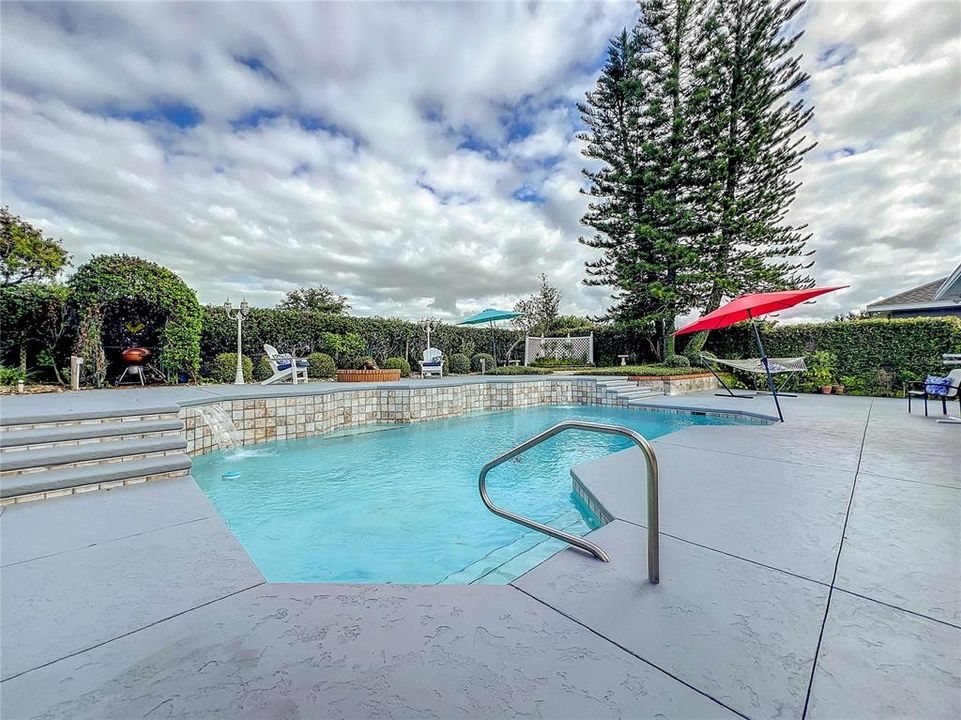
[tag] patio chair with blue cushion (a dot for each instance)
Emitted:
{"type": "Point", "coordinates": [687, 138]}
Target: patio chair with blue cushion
{"type": "Point", "coordinates": [433, 363]}
{"type": "Point", "coordinates": [285, 367]}
{"type": "Point", "coordinates": [935, 388]}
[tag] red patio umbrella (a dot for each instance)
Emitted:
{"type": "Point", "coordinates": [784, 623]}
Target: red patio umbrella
{"type": "Point", "coordinates": [748, 307]}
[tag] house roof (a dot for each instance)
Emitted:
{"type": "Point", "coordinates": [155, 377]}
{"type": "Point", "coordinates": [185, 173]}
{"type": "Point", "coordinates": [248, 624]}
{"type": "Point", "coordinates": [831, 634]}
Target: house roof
{"type": "Point", "coordinates": [921, 294]}
{"type": "Point", "coordinates": [944, 292]}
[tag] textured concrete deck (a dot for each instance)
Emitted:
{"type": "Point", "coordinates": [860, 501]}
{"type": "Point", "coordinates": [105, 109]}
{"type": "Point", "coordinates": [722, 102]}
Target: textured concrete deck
{"type": "Point", "coordinates": [807, 570]}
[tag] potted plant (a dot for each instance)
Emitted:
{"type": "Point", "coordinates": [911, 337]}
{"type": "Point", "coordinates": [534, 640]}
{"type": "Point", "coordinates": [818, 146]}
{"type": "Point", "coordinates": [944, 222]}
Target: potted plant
{"type": "Point", "coordinates": [820, 372]}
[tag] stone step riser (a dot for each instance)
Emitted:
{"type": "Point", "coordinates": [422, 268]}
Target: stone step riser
{"type": "Point", "coordinates": [88, 463]}
{"type": "Point", "coordinates": [109, 485]}
{"type": "Point", "coordinates": [90, 441]}
{"type": "Point", "coordinates": [80, 423]}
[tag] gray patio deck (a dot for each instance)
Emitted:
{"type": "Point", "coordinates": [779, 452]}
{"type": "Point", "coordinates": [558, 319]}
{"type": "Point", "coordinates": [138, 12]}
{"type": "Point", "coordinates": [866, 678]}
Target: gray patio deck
{"type": "Point", "coordinates": [809, 569]}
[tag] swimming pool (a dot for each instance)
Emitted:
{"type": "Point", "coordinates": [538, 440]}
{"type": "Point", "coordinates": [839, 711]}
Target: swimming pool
{"type": "Point", "coordinates": [399, 503]}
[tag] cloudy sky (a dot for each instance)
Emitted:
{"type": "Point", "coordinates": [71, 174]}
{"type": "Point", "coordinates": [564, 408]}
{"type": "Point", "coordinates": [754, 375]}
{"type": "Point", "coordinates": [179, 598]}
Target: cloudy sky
{"type": "Point", "coordinates": [420, 158]}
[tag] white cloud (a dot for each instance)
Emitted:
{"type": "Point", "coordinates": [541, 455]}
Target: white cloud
{"type": "Point", "coordinates": [384, 144]}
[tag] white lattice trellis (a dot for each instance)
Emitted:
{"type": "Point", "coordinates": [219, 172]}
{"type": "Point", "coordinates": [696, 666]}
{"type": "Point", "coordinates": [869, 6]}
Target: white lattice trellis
{"type": "Point", "coordinates": [577, 350]}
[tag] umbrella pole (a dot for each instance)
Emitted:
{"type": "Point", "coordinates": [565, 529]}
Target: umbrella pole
{"type": "Point", "coordinates": [493, 345]}
{"type": "Point", "coordinates": [767, 369]}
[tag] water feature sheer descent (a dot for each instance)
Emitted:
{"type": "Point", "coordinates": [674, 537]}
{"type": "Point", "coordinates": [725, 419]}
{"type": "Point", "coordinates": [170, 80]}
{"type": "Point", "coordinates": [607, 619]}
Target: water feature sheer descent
{"type": "Point", "coordinates": [225, 434]}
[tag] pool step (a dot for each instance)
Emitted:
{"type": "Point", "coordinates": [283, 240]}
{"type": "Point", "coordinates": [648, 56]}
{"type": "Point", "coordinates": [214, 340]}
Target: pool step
{"type": "Point", "coordinates": [53, 454]}
{"type": "Point", "coordinates": [54, 483]}
{"type": "Point", "coordinates": [22, 462]}
{"type": "Point", "coordinates": [626, 390]}
{"type": "Point", "coordinates": [11, 423]}
{"type": "Point", "coordinates": [86, 433]}
{"type": "Point", "coordinates": [515, 554]}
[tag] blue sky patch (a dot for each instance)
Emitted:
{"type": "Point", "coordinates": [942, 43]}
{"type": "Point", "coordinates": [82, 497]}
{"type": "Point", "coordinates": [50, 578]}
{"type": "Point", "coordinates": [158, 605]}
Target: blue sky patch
{"type": "Point", "coordinates": [182, 115]}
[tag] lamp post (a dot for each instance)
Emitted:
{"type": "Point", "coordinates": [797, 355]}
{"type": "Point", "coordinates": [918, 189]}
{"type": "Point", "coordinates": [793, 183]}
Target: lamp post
{"type": "Point", "coordinates": [238, 315]}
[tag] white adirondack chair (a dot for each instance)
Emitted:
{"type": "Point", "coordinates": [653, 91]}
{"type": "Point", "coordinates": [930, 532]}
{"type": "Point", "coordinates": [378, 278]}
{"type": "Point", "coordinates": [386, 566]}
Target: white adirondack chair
{"type": "Point", "coordinates": [285, 366]}
{"type": "Point", "coordinates": [433, 363]}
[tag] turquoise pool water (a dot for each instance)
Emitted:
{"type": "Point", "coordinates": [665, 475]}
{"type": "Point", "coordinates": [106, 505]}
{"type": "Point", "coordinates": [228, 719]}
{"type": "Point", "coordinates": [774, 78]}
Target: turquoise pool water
{"type": "Point", "coordinates": [399, 503]}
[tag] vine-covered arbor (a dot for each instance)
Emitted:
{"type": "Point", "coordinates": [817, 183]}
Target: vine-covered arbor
{"type": "Point", "coordinates": [122, 301]}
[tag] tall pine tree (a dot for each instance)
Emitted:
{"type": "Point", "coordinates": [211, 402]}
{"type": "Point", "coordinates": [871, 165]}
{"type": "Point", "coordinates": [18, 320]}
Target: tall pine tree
{"type": "Point", "coordinates": [637, 119]}
{"type": "Point", "coordinates": [748, 126]}
{"type": "Point", "coordinates": [698, 137]}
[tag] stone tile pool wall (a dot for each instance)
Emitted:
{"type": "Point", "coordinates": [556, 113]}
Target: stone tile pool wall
{"type": "Point", "coordinates": [264, 419]}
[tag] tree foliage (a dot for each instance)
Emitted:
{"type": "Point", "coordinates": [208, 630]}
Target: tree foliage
{"type": "Point", "coordinates": [110, 289]}
{"type": "Point", "coordinates": [25, 254]}
{"type": "Point", "coordinates": [316, 299]}
{"type": "Point", "coordinates": [539, 311]}
{"type": "Point", "coordinates": [750, 125]}
{"type": "Point", "coordinates": [695, 136]}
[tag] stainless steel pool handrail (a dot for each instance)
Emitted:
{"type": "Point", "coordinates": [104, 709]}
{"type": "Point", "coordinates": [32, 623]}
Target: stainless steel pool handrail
{"type": "Point", "coordinates": [653, 553]}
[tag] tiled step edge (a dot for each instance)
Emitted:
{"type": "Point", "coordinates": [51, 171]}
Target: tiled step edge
{"type": "Point", "coordinates": [15, 440]}
{"type": "Point", "coordinates": [13, 463]}
{"type": "Point", "coordinates": [54, 483]}
{"type": "Point", "coordinates": [11, 421]}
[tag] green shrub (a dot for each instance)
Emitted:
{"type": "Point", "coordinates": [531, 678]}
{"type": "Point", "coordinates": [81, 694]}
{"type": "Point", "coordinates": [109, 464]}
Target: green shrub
{"type": "Point", "coordinates": [458, 364]}
{"type": "Point", "coordinates": [820, 371]}
{"type": "Point", "coordinates": [519, 370]}
{"type": "Point", "coordinates": [677, 361]}
{"type": "Point", "coordinates": [348, 350]}
{"type": "Point", "coordinates": [263, 369]}
{"type": "Point", "coordinates": [109, 291]}
{"type": "Point", "coordinates": [224, 368]}
{"type": "Point", "coordinates": [398, 363]}
{"type": "Point", "coordinates": [904, 349]}
{"type": "Point", "coordinates": [478, 366]}
{"type": "Point", "coordinates": [11, 375]}
{"type": "Point", "coordinates": [647, 370]}
{"type": "Point", "coordinates": [321, 365]}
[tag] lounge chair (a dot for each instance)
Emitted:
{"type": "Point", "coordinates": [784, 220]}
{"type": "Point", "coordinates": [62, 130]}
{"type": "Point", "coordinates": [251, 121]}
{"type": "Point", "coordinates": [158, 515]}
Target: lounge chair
{"type": "Point", "coordinates": [926, 389]}
{"type": "Point", "coordinates": [433, 363]}
{"type": "Point", "coordinates": [285, 366]}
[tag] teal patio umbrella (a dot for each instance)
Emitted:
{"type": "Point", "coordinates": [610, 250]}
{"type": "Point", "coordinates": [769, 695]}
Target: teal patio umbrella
{"type": "Point", "coordinates": [490, 315]}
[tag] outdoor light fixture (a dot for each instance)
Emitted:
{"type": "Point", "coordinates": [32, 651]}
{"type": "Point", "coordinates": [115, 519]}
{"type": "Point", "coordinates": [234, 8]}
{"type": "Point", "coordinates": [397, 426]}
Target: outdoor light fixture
{"type": "Point", "coordinates": [238, 315]}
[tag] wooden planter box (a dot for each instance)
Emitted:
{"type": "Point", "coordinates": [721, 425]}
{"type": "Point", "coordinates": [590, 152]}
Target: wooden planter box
{"type": "Point", "coordinates": [368, 375]}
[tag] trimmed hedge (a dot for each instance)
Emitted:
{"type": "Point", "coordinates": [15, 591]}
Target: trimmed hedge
{"type": "Point", "coordinates": [398, 363]}
{"type": "Point", "coordinates": [904, 349]}
{"type": "Point", "coordinates": [646, 370]}
{"type": "Point", "coordinates": [223, 369]}
{"type": "Point", "coordinates": [301, 332]}
{"type": "Point", "coordinates": [478, 366]}
{"type": "Point", "coordinates": [519, 370]}
{"type": "Point", "coordinates": [458, 364]}
{"type": "Point", "coordinates": [320, 366]}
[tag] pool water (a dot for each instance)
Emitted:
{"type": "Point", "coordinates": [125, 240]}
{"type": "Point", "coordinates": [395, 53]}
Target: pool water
{"type": "Point", "coordinates": [399, 503]}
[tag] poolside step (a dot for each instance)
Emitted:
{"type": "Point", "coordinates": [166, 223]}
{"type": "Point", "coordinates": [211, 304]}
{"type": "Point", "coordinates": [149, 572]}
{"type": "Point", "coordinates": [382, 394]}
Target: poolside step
{"type": "Point", "coordinates": [11, 424]}
{"type": "Point", "coordinates": [86, 433]}
{"type": "Point", "coordinates": [22, 462]}
{"type": "Point", "coordinates": [50, 483]}
{"type": "Point", "coordinates": [638, 393]}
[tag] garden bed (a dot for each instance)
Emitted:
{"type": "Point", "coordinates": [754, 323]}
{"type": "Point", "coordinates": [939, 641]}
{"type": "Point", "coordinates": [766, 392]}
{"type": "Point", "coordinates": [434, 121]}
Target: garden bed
{"type": "Point", "coordinates": [686, 376]}
{"type": "Point", "coordinates": [385, 375]}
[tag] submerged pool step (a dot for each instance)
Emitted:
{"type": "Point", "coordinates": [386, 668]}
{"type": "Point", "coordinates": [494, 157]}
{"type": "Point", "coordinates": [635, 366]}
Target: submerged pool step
{"type": "Point", "coordinates": [514, 553]}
